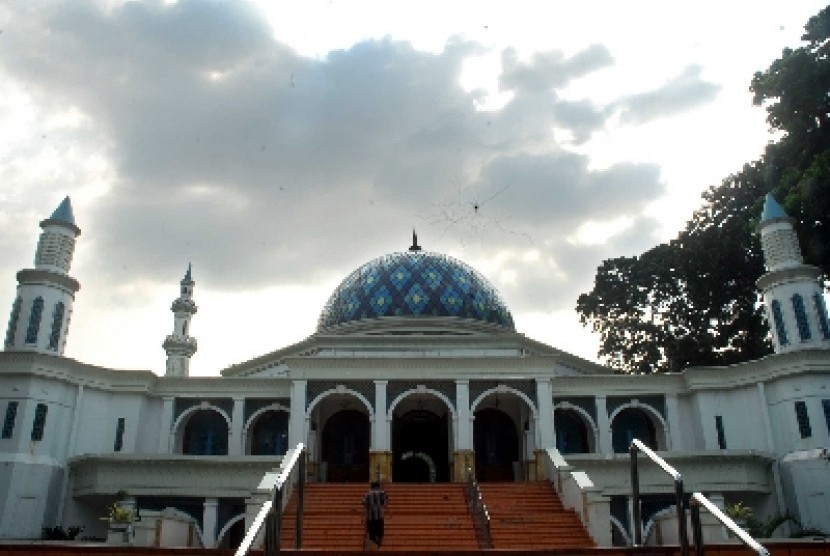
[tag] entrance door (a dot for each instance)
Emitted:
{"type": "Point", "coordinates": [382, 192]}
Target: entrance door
{"type": "Point", "coordinates": [496, 444]}
{"type": "Point", "coordinates": [346, 447]}
{"type": "Point", "coordinates": [420, 447]}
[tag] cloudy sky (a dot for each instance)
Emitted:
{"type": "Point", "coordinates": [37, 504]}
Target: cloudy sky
{"type": "Point", "coordinates": [279, 145]}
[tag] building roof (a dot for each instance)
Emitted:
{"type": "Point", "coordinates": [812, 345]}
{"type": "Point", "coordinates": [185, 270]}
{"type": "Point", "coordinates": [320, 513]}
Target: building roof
{"type": "Point", "coordinates": [64, 212]}
{"type": "Point", "coordinates": [772, 209]}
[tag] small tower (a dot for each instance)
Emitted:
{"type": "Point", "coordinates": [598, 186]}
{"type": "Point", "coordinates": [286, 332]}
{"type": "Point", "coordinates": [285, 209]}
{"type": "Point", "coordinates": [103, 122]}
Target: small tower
{"type": "Point", "coordinates": [792, 291]}
{"type": "Point", "coordinates": [179, 345]}
{"type": "Point", "coordinates": [41, 311]}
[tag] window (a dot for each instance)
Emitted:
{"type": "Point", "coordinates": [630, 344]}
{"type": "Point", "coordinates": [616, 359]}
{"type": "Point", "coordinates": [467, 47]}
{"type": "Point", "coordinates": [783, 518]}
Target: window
{"type": "Point", "coordinates": [821, 309]}
{"type": "Point", "coordinates": [803, 419]}
{"type": "Point", "coordinates": [11, 416]}
{"type": "Point", "coordinates": [801, 318]}
{"type": "Point", "coordinates": [57, 321]}
{"type": "Point", "coordinates": [779, 323]}
{"type": "Point", "coordinates": [40, 421]}
{"type": "Point", "coordinates": [34, 320]}
{"type": "Point", "coordinates": [721, 434]}
{"type": "Point", "coordinates": [825, 404]}
{"type": "Point", "coordinates": [15, 316]}
{"type": "Point", "coordinates": [119, 435]}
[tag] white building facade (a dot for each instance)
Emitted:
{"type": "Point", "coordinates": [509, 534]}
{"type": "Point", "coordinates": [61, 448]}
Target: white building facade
{"type": "Point", "coordinates": [414, 373]}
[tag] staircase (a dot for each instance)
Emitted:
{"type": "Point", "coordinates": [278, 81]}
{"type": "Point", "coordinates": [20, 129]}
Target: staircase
{"type": "Point", "coordinates": [530, 516]}
{"type": "Point", "coordinates": [420, 517]}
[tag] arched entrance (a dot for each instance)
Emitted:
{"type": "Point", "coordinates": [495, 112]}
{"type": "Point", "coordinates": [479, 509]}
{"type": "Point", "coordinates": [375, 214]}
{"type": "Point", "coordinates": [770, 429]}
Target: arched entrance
{"type": "Point", "coordinates": [496, 444]}
{"type": "Point", "coordinates": [420, 447]}
{"type": "Point", "coordinates": [346, 447]}
{"type": "Point", "coordinates": [631, 423]}
{"type": "Point", "coordinates": [571, 432]}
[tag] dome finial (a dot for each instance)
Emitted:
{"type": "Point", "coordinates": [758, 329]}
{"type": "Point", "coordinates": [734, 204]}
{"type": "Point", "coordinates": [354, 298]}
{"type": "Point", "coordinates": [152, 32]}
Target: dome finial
{"type": "Point", "coordinates": [415, 246]}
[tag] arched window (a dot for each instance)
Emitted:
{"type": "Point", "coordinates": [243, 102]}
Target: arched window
{"type": "Point", "coordinates": [571, 432]}
{"type": "Point", "coordinates": [631, 423]}
{"type": "Point", "coordinates": [270, 434]}
{"type": "Point", "coordinates": [34, 320]}
{"type": "Point", "coordinates": [57, 321]}
{"type": "Point", "coordinates": [821, 309]}
{"type": "Point", "coordinates": [15, 316]}
{"type": "Point", "coordinates": [206, 434]}
{"type": "Point", "coordinates": [779, 323]}
{"type": "Point", "coordinates": [801, 318]}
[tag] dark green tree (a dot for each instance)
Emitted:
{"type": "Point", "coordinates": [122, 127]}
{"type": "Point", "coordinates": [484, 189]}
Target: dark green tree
{"type": "Point", "coordinates": [693, 300]}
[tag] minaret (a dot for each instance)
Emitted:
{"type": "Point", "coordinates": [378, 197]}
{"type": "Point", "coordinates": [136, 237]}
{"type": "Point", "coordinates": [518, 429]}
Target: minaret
{"type": "Point", "coordinates": [792, 291]}
{"type": "Point", "coordinates": [41, 311]}
{"type": "Point", "coordinates": [179, 345]}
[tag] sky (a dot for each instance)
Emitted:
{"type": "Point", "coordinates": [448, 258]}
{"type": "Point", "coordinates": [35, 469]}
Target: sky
{"type": "Point", "coordinates": [277, 146]}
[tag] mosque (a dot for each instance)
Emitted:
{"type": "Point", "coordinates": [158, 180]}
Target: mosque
{"type": "Point", "coordinates": [414, 372]}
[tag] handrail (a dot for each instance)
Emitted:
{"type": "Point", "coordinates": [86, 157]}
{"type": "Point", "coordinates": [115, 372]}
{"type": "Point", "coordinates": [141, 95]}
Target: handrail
{"type": "Point", "coordinates": [637, 533]}
{"type": "Point", "coordinates": [478, 509]}
{"type": "Point", "coordinates": [698, 500]}
{"type": "Point", "coordinates": [270, 513]}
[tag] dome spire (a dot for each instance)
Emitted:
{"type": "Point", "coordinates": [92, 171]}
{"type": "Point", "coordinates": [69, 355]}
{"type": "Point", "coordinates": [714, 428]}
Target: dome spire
{"type": "Point", "coordinates": [414, 246]}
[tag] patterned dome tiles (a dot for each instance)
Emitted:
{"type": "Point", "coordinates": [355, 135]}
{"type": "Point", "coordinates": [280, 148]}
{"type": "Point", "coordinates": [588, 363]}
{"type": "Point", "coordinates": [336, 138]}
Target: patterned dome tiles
{"type": "Point", "coordinates": [414, 283]}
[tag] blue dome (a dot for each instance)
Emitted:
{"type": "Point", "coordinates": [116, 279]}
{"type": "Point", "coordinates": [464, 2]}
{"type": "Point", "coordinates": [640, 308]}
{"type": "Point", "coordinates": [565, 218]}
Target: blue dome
{"type": "Point", "coordinates": [418, 284]}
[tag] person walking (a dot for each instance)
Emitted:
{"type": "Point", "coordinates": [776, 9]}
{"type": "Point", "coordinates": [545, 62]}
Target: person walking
{"type": "Point", "coordinates": [375, 502]}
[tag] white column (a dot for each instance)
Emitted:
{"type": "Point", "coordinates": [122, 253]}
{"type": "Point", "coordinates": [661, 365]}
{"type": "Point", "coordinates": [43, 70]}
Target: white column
{"type": "Point", "coordinates": [545, 437]}
{"type": "Point", "coordinates": [70, 448]}
{"type": "Point", "coordinates": [762, 400]}
{"type": "Point", "coordinates": [209, 520]}
{"type": "Point", "coordinates": [235, 447]}
{"type": "Point", "coordinates": [604, 426]}
{"type": "Point", "coordinates": [381, 440]}
{"type": "Point", "coordinates": [297, 420]}
{"type": "Point", "coordinates": [165, 444]}
{"type": "Point", "coordinates": [464, 426]}
{"type": "Point", "coordinates": [707, 416]}
{"type": "Point", "coordinates": [673, 420]}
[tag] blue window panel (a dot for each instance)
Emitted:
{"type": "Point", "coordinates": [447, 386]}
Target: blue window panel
{"type": "Point", "coordinates": [821, 309]}
{"type": "Point", "coordinates": [801, 318]}
{"type": "Point", "coordinates": [825, 404]}
{"type": "Point", "coordinates": [13, 319]}
{"type": "Point", "coordinates": [40, 421]}
{"type": "Point", "coordinates": [119, 435]}
{"type": "Point", "coordinates": [34, 320]}
{"type": "Point", "coordinates": [803, 419]}
{"type": "Point", "coordinates": [57, 322]}
{"type": "Point", "coordinates": [780, 329]}
{"type": "Point", "coordinates": [8, 422]}
{"type": "Point", "coordinates": [721, 434]}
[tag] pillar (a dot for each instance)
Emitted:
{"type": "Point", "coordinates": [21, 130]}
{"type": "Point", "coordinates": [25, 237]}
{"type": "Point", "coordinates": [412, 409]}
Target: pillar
{"type": "Point", "coordinates": [380, 453]}
{"type": "Point", "coordinates": [463, 455]}
{"type": "Point", "coordinates": [296, 421]}
{"type": "Point", "coordinates": [673, 419]}
{"type": "Point", "coordinates": [604, 426]}
{"type": "Point", "coordinates": [165, 444]}
{"type": "Point", "coordinates": [209, 521]}
{"type": "Point", "coordinates": [235, 442]}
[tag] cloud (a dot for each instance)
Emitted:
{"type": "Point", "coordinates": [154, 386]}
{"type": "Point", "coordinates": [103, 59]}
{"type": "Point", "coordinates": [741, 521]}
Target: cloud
{"type": "Point", "coordinates": [684, 92]}
{"type": "Point", "coordinates": [264, 167]}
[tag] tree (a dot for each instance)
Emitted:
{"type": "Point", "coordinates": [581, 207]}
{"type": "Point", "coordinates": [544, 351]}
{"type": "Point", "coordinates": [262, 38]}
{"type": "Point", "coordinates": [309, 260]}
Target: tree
{"type": "Point", "coordinates": [693, 300]}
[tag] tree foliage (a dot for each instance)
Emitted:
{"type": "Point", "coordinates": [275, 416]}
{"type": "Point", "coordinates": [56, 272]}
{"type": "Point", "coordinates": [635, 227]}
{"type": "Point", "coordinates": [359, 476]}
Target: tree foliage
{"type": "Point", "coordinates": [693, 301]}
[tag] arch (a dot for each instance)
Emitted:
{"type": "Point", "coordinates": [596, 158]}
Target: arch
{"type": "Point", "coordinates": [653, 421]}
{"type": "Point", "coordinates": [340, 390]}
{"type": "Point", "coordinates": [503, 389]}
{"type": "Point", "coordinates": [180, 426]}
{"type": "Point", "coordinates": [421, 390]}
{"type": "Point", "coordinates": [590, 431]}
{"type": "Point", "coordinates": [266, 432]}
{"type": "Point", "coordinates": [648, 528]}
{"type": "Point", "coordinates": [426, 459]}
{"type": "Point", "coordinates": [224, 531]}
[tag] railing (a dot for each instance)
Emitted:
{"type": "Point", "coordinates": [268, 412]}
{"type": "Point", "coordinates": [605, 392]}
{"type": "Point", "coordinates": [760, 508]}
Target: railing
{"type": "Point", "coordinates": [291, 471]}
{"type": "Point", "coordinates": [637, 446]}
{"type": "Point", "coordinates": [478, 509]}
{"type": "Point", "coordinates": [699, 500]}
